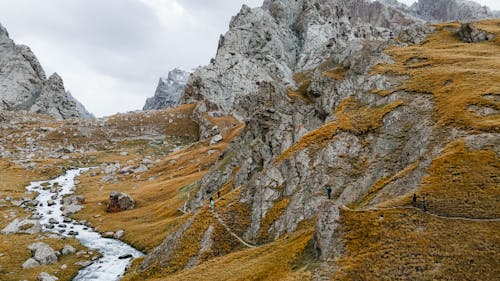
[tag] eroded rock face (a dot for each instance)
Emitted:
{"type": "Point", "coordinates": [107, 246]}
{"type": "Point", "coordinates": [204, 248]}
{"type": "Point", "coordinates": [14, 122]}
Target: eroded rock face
{"type": "Point", "coordinates": [471, 34]}
{"type": "Point", "coordinates": [272, 42]}
{"type": "Point", "coordinates": [25, 86]}
{"type": "Point", "coordinates": [169, 90]}
{"type": "Point", "coordinates": [119, 201]}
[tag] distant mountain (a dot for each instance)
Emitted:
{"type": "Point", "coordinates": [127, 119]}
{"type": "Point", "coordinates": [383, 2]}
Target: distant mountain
{"type": "Point", "coordinates": [169, 90]}
{"type": "Point", "coordinates": [443, 10]}
{"type": "Point", "coordinates": [24, 85]}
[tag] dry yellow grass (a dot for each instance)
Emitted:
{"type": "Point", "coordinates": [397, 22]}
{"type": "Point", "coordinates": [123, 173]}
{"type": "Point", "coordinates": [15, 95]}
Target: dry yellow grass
{"type": "Point", "coordinates": [352, 116]}
{"type": "Point", "coordinates": [274, 261]}
{"type": "Point", "coordinates": [15, 252]}
{"type": "Point", "coordinates": [157, 200]}
{"type": "Point", "coordinates": [411, 245]}
{"type": "Point", "coordinates": [457, 74]}
{"type": "Point", "coordinates": [462, 182]}
{"type": "Point", "coordinates": [337, 73]}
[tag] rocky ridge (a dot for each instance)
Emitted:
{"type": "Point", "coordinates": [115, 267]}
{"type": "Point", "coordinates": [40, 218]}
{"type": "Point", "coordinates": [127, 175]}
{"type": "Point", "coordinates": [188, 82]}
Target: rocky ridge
{"type": "Point", "coordinates": [300, 75]}
{"type": "Point", "coordinates": [169, 90]}
{"type": "Point", "coordinates": [24, 85]}
{"type": "Point", "coordinates": [444, 10]}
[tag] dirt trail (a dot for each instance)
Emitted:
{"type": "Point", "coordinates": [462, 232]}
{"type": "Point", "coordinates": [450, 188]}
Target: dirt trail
{"type": "Point", "coordinates": [230, 231]}
{"type": "Point", "coordinates": [429, 213]}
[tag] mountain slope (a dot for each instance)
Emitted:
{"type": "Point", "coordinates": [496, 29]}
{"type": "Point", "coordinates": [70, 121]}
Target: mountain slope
{"type": "Point", "coordinates": [24, 85]}
{"type": "Point", "coordinates": [369, 115]}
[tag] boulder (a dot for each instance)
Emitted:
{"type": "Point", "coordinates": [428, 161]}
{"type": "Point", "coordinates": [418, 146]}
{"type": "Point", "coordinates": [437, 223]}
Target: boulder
{"type": "Point", "coordinates": [43, 253]}
{"type": "Point", "coordinates": [108, 234]}
{"type": "Point", "coordinates": [68, 250]}
{"type": "Point", "coordinates": [44, 276]}
{"type": "Point", "coordinates": [119, 234]}
{"type": "Point", "coordinates": [23, 226]}
{"type": "Point", "coordinates": [30, 263]}
{"type": "Point", "coordinates": [471, 34]}
{"type": "Point", "coordinates": [119, 201]}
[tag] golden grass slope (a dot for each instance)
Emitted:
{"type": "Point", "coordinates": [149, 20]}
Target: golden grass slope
{"type": "Point", "coordinates": [458, 75]}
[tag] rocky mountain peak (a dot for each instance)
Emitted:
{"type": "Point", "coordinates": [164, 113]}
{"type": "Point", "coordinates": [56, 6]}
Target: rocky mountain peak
{"type": "Point", "coordinates": [169, 90]}
{"type": "Point", "coordinates": [443, 10]}
{"type": "Point", "coordinates": [26, 87]}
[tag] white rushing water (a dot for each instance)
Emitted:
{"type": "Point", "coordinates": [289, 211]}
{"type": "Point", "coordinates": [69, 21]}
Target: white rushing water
{"type": "Point", "coordinates": [107, 268]}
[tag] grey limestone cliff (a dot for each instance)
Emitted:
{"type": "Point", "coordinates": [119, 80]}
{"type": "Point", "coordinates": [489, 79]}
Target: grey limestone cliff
{"type": "Point", "coordinates": [24, 85]}
{"type": "Point", "coordinates": [169, 90]}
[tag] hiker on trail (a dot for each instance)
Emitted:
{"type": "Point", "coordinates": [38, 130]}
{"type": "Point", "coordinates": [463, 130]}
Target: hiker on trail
{"type": "Point", "coordinates": [414, 200]}
{"type": "Point", "coordinates": [211, 202]}
{"type": "Point", "coordinates": [218, 194]}
{"type": "Point", "coordinates": [424, 203]}
{"type": "Point", "coordinates": [329, 192]}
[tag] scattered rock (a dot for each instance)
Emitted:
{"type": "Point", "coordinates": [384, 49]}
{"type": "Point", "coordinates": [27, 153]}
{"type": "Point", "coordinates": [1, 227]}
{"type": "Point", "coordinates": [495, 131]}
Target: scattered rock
{"type": "Point", "coordinates": [44, 276]}
{"type": "Point", "coordinates": [141, 169]}
{"type": "Point", "coordinates": [119, 201]}
{"type": "Point", "coordinates": [119, 234]}
{"type": "Point", "coordinates": [43, 253]}
{"type": "Point", "coordinates": [51, 202]}
{"type": "Point", "coordinates": [108, 234]}
{"type": "Point", "coordinates": [30, 263]}
{"type": "Point", "coordinates": [83, 263]}
{"type": "Point", "coordinates": [68, 249]}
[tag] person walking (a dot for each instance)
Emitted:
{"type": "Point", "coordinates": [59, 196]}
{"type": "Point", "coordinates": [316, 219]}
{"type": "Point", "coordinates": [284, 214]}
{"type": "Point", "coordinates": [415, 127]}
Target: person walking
{"type": "Point", "coordinates": [424, 203]}
{"type": "Point", "coordinates": [329, 192]}
{"type": "Point", "coordinates": [414, 200]}
{"type": "Point", "coordinates": [211, 202]}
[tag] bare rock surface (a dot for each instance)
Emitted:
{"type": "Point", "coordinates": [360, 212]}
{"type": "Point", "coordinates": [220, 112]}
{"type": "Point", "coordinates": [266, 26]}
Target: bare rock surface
{"type": "Point", "coordinates": [169, 90]}
{"type": "Point", "coordinates": [26, 87]}
{"type": "Point", "coordinates": [471, 34]}
{"type": "Point", "coordinates": [23, 226]}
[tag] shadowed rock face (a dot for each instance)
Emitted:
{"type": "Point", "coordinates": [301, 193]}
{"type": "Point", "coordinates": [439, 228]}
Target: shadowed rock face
{"type": "Point", "coordinates": [24, 86]}
{"type": "Point", "coordinates": [169, 90]}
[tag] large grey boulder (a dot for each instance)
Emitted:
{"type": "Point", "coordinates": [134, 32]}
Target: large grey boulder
{"type": "Point", "coordinates": [169, 90]}
{"type": "Point", "coordinates": [119, 201]}
{"type": "Point", "coordinates": [43, 253]}
{"type": "Point", "coordinates": [24, 85]}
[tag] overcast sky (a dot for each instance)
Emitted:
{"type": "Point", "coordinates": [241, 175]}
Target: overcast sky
{"type": "Point", "coordinates": [110, 53]}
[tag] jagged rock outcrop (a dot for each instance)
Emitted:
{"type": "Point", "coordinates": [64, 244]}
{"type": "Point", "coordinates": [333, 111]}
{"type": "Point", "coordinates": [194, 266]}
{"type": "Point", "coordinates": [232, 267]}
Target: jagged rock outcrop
{"type": "Point", "coordinates": [272, 42]}
{"type": "Point", "coordinates": [169, 90]}
{"type": "Point", "coordinates": [471, 34]}
{"type": "Point", "coordinates": [443, 10]}
{"type": "Point", "coordinates": [24, 86]}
